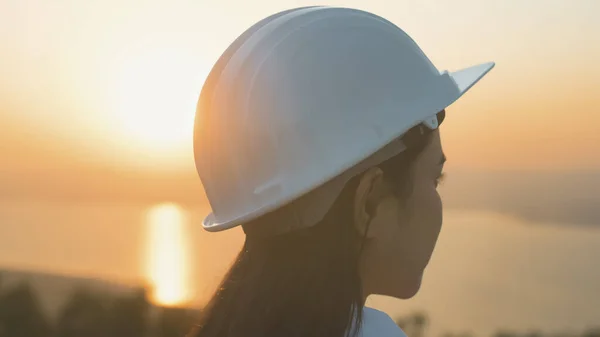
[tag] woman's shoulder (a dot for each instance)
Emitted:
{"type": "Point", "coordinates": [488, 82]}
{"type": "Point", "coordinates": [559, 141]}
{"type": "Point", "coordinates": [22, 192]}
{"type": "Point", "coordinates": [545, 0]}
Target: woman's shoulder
{"type": "Point", "coordinates": [378, 323]}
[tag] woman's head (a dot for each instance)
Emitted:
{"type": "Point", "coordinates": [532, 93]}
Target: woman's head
{"type": "Point", "coordinates": [295, 100]}
{"type": "Point", "coordinates": [376, 239]}
{"type": "Point", "coordinates": [392, 209]}
{"type": "Point", "coordinates": [399, 208]}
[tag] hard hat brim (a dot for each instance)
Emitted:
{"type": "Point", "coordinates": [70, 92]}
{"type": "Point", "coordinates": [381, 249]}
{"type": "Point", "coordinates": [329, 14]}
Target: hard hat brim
{"type": "Point", "coordinates": [464, 80]}
{"type": "Point", "coordinates": [467, 77]}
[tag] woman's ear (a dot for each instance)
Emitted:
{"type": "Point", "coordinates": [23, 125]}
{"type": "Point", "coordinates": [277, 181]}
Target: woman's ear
{"type": "Point", "coordinates": [369, 193]}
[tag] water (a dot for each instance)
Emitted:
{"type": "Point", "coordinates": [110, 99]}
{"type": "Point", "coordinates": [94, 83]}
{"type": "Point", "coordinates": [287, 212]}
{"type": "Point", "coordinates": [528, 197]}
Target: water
{"type": "Point", "coordinates": [168, 254]}
{"type": "Point", "coordinates": [492, 272]}
{"type": "Point", "coordinates": [488, 271]}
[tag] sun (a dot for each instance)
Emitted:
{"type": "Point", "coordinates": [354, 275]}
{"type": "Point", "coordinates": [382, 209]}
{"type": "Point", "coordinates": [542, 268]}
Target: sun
{"type": "Point", "coordinates": [156, 89]}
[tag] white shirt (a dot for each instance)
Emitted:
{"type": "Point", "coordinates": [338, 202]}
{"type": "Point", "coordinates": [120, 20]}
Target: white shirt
{"type": "Point", "coordinates": [379, 324]}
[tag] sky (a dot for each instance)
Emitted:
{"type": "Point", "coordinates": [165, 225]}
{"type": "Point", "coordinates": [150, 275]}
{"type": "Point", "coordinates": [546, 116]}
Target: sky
{"type": "Point", "coordinates": [97, 103]}
{"type": "Point", "coordinates": [99, 96]}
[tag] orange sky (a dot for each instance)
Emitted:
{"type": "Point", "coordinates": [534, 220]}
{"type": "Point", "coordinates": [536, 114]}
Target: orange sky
{"type": "Point", "coordinates": [97, 100]}
{"type": "Point", "coordinates": [103, 92]}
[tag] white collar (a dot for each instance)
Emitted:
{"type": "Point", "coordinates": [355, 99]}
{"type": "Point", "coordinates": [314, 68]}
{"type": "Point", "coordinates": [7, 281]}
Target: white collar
{"type": "Point", "coordinates": [378, 324]}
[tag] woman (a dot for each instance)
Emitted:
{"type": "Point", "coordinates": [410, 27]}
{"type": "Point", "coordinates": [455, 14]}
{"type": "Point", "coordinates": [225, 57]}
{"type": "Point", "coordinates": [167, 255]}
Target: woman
{"type": "Point", "coordinates": [317, 132]}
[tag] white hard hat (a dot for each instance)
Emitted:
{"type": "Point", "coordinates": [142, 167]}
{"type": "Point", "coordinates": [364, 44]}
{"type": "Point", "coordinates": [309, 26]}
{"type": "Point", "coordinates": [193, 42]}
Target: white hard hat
{"type": "Point", "coordinates": [305, 99]}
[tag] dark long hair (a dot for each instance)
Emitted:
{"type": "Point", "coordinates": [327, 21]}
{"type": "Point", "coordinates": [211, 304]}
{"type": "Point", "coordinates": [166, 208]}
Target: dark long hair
{"type": "Point", "coordinates": [306, 282]}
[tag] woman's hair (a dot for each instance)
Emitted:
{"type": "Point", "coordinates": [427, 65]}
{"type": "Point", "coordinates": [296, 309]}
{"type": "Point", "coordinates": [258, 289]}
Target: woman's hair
{"type": "Point", "coordinates": [303, 283]}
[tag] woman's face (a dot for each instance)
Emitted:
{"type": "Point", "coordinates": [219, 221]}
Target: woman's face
{"type": "Point", "coordinates": [402, 233]}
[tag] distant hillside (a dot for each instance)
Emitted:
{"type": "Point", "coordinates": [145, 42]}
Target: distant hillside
{"type": "Point", "coordinates": [36, 304]}
{"type": "Point", "coordinates": [562, 197]}
{"type": "Point", "coordinates": [548, 197]}
{"type": "Point", "coordinates": [53, 290]}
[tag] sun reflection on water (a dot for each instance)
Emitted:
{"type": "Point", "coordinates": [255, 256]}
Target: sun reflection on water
{"type": "Point", "coordinates": [168, 257]}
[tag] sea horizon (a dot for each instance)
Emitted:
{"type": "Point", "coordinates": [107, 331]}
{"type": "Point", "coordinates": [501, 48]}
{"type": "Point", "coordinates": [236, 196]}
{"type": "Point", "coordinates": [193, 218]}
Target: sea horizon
{"type": "Point", "coordinates": [494, 271]}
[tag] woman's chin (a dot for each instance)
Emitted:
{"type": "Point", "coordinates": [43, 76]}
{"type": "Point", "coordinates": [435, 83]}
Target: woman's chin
{"type": "Point", "coordinates": [409, 287]}
{"type": "Point", "coordinates": [404, 289]}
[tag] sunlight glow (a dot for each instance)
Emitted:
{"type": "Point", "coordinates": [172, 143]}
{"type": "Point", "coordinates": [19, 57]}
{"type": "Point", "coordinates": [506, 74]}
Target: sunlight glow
{"type": "Point", "coordinates": [168, 261]}
{"type": "Point", "coordinates": [156, 90]}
